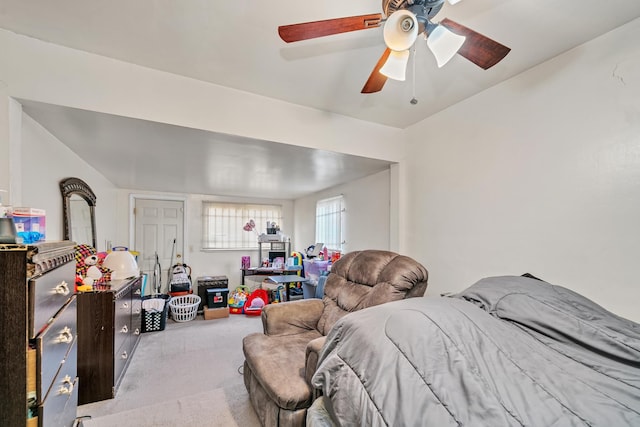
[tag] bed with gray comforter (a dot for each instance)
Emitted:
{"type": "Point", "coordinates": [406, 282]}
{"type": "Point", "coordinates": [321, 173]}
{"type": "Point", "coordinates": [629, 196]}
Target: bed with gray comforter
{"type": "Point", "coordinates": [507, 351]}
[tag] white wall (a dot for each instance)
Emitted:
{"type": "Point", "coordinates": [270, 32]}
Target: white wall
{"type": "Point", "coordinates": [5, 149]}
{"type": "Point", "coordinates": [540, 174]}
{"type": "Point", "coordinates": [366, 216]}
{"type": "Point", "coordinates": [10, 152]}
{"type": "Point", "coordinates": [45, 162]}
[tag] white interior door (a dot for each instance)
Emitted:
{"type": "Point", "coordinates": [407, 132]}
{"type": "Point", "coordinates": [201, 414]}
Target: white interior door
{"type": "Point", "coordinates": [158, 223]}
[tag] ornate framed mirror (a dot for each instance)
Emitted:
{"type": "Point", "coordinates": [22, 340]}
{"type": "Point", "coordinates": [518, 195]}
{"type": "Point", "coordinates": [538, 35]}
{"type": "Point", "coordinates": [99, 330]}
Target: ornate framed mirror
{"type": "Point", "coordinates": [78, 211]}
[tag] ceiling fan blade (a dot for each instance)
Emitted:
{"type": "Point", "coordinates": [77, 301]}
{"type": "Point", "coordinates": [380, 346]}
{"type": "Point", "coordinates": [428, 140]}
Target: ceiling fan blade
{"type": "Point", "coordinates": [376, 80]}
{"type": "Point", "coordinates": [312, 30]}
{"type": "Point", "coordinates": [479, 49]}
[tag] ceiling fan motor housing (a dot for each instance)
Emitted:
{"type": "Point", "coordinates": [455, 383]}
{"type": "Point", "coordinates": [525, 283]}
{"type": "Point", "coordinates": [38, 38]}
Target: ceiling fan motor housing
{"type": "Point", "coordinates": [424, 9]}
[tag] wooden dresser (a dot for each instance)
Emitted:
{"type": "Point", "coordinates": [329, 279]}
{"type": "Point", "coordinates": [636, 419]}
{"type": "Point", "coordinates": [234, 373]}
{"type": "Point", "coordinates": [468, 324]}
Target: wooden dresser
{"type": "Point", "coordinates": [38, 337]}
{"type": "Point", "coordinates": [109, 326]}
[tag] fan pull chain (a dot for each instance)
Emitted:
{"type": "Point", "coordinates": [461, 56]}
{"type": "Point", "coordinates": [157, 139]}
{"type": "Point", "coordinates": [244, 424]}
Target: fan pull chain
{"type": "Point", "coordinates": [414, 100]}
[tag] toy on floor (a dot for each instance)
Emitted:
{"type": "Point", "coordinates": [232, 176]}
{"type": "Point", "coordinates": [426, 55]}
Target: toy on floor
{"type": "Point", "coordinates": [255, 302]}
{"type": "Point", "coordinates": [277, 295]}
{"type": "Point", "coordinates": [237, 300]}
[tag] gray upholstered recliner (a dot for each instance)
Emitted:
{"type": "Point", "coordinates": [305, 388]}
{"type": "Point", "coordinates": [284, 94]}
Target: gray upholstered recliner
{"type": "Point", "coordinates": [280, 362]}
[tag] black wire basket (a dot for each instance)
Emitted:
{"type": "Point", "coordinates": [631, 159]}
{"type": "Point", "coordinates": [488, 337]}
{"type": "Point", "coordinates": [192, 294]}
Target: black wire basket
{"type": "Point", "coordinates": [153, 320]}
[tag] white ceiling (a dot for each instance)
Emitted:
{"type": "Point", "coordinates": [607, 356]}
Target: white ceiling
{"type": "Point", "coordinates": [168, 158]}
{"type": "Point", "coordinates": [236, 44]}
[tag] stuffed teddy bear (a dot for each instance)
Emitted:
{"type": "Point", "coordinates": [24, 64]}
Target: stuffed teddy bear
{"type": "Point", "coordinates": [93, 273]}
{"type": "Point", "coordinates": [89, 269]}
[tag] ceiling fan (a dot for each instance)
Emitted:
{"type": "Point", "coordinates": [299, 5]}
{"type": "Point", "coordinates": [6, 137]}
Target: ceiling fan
{"type": "Point", "coordinates": [405, 21]}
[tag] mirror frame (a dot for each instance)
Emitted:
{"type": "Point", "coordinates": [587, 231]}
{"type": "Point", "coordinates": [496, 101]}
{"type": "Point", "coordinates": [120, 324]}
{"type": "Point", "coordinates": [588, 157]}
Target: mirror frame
{"type": "Point", "coordinates": [68, 187]}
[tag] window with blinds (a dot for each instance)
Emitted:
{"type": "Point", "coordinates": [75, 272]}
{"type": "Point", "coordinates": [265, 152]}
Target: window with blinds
{"type": "Point", "coordinates": [329, 222]}
{"type": "Point", "coordinates": [222, 224]}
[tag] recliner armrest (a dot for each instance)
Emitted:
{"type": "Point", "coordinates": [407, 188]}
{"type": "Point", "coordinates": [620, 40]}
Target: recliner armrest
{"type": "Point", "coordinates": [293, 317]}
{"type": "Point", "coordinates": [312, 354]}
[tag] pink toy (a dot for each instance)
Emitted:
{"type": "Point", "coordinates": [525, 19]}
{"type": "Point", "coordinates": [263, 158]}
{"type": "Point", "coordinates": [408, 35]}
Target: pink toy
{"type": "Point", "coordinates": [257, 303]}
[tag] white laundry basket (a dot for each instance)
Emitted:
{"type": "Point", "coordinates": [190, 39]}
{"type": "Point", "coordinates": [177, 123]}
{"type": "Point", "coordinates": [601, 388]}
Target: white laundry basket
{"type": "Point", "coordinates": [184, 307]}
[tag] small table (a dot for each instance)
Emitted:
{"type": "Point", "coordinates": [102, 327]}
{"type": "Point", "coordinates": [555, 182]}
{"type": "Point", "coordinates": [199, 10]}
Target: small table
{"type": "Point", "coordinates": [286, 280]}
{"type": "Point", "coordinates": [268, 271]}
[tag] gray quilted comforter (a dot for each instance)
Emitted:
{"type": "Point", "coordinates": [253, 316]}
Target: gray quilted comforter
{"type": "Point", "coordinates": [508, 351]}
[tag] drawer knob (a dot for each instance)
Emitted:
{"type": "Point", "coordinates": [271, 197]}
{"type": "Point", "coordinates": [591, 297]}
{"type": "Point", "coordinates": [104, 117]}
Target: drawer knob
{"type": "Point", "coordinates": [65, 336]}
{"type": "Point", "coordinates": [61, 289]}
{"type": "Point", "coordinates": [124, 329]}
{"type": "Point", "coordinates": [67, 386]}
{"type": "Point", "coordinates": [136, 332]}
{"type": "Point", "coordinates": [124, 355]}
{"type": "Point", "coordinates": [125, 305]}
{"type": "Point", "coordinates": [137, 292]}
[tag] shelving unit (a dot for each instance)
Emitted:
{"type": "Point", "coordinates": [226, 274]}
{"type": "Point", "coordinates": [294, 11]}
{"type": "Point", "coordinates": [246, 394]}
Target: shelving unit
{"type": "Point", "coordinates": [271, 247]}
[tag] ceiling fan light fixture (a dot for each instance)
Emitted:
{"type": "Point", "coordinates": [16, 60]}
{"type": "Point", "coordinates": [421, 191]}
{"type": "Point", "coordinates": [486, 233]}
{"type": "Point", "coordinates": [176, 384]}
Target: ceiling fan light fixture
{"type": "Point", "coordinates": [396, 65]}
{"type": "Point", "coordinates": [444, 44]}
{"type": "Point", "coordinates": [400, 30]}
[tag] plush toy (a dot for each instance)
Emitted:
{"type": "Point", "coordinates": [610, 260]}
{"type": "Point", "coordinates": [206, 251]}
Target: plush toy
{"type": "Point", "coordinates": [93, 273]}
{"type": "Point", "coordinates": [89, 269]}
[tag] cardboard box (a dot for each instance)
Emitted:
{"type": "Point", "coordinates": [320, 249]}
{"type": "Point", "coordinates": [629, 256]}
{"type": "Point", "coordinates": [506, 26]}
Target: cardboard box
{"type": "Point", "coordinates": [215, 313]}
{"type": "Point", "coordinates": [30, 224]}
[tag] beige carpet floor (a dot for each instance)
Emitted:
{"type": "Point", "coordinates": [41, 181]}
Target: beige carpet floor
{"type": "Point", "coordinates": [187, 375]}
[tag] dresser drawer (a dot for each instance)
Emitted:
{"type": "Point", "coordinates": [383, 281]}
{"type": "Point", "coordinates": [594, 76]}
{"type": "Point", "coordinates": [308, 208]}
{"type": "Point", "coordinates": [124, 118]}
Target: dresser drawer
{"type": "Point", "coordinates": [53, 344]}
{"type": "Point", "coordinates": [136, 311]}
{"type": "Point", "coordinates": [120, 360]}
{"type": "Point", "coordinates": [122, 320]}
{"type": "Point", "coordinates": [136, 305]}
{"type": "Point", "coordinates": [66, 415]}
{"type": "Point", "coordinates": [47, 293]}
{"type": "Point", "coordinates": [59, 405]}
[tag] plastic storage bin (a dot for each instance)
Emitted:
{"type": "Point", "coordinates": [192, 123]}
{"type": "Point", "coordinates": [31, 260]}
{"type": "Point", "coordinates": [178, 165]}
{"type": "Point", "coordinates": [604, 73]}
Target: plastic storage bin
{"type": "Point", "coordinates": [315, 290]}
{"type": "Point", "coordinates": [217, 297]}
{"type": "Point", "coordinates": [314, 269]}
{"type": "Point", "coordinates": [30, 224]}
{"type": "Point", "coordinates": [308, 290]}
{"type": "Point", "coordinates": [208, 282]}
